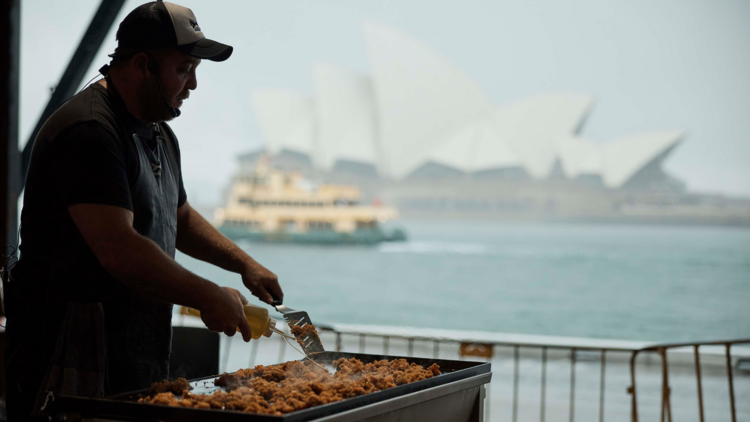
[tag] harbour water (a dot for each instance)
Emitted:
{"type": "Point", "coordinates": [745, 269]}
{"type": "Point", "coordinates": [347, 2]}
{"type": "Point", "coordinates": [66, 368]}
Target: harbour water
{"type": "Point", "coordinates": [640, 283]}
{"type": "Point", "coordinates": [646, 283]}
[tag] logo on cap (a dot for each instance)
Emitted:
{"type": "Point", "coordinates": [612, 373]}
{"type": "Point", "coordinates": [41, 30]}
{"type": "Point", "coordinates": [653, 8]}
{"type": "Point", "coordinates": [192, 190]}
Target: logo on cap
{"type": "Point", "coordinates": [195, 26]}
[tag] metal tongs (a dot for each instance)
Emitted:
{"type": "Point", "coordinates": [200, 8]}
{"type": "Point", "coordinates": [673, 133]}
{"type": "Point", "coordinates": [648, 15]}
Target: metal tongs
{"type": "Point", "coordinates": [309, 341]}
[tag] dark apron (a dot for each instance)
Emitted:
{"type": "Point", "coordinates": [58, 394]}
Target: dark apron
{"type": "Point", "coordinates": [139, 328]}
{"type": "Point", "coordinates": [123, 342]}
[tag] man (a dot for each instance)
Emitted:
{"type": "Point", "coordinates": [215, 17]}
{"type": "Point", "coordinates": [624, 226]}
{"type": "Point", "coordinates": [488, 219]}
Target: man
{"type": "Point", "coordinates": [89, 305]}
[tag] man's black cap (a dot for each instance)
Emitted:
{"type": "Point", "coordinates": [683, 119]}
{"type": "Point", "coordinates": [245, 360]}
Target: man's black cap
{"type": "Point", "coordinates": [160, 24]}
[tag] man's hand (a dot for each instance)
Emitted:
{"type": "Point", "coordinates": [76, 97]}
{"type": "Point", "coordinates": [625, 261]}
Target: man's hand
{"type": "Point", "coordinates": [223, 312]}
{"type": "Point", "coordinates": [262, 283]}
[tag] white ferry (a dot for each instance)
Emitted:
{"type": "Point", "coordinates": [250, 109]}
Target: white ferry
{"type": "Point", "coordinates": [276, 206]}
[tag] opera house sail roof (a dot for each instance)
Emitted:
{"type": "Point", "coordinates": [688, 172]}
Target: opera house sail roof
{"type": "Point", "coordinates": [420, 115]}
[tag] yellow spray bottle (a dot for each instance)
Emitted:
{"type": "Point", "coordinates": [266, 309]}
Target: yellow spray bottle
{"type": "Point", "coordinates": [260, 323]}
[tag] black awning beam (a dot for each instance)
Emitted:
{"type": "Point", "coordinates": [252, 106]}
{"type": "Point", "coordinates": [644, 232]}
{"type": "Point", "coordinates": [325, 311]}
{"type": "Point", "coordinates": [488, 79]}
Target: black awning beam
{"type": "Point", "coordinates": [13, 163]}
{"type": "Point", "coordinates": [76, 70]}
{"type": "Point", "coordinates": [10, 172]}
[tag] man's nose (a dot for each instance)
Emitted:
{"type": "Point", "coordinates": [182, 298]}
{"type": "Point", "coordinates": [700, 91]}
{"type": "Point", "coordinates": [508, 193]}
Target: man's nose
{"type": "Point", "coordinates": [192, 83]}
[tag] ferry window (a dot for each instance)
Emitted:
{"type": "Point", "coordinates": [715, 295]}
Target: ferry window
{"type": "Point", "coordinates": [319, 225]}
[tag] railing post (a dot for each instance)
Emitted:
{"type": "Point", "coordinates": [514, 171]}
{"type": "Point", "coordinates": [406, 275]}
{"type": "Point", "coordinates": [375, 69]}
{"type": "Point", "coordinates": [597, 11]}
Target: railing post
{"type": "Point", "coordinates": [386, 340]}
{"type": "Point", "coordinates": [731, 382]}
{"type": "Point", "coordinates": [436, 349]}
{"type": "Point", "coordinates": [571, 417]}
{"type": "Point", "coordinates": [411, 347]}
{"type": "Point", "coordinates": [698, 378]}
{"type": "Point", "coordinates": [253, 354]}
{"type": "Point", "coordinates": [338, 341]}
{"type": "Point", "coordinates": [227, 348]}
{"type": "Point", "coordinates": [282, 350]}
{"type": "Point", "coordinates": [544, 384]}
{"type": "Point", "coordinates": [515, 383]}
{"type": "Point", "coordinates": [602, 385]}
{"type": "Point", "coordinates": [361, 343]}
{"type": "Point", "coordinates": [632, 390]}
{"type": "Point", "coordinates": [666, 406]}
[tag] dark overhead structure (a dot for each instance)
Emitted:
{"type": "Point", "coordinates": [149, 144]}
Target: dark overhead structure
{"type": "Point", "coordinates": [15, 162]}
{"type": "Point", "coordinates": [10, 176]}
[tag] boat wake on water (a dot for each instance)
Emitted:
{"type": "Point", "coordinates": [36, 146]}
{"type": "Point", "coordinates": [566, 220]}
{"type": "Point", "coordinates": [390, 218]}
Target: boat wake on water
{"type": "Point", "coordinates": [435, 248]}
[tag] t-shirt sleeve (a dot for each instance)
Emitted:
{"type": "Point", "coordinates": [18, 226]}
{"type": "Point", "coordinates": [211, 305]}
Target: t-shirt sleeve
{"type": "Point", "coordinates": [91, 167]}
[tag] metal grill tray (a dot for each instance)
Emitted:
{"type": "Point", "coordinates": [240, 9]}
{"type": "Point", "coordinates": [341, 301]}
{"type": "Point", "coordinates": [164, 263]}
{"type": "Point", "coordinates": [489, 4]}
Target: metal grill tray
{"type": "Point", "coordinates": [124, 406]}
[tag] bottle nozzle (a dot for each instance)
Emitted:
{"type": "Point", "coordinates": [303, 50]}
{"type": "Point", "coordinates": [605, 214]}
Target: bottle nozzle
{"type": "Point", "coordinates": [272, 329]}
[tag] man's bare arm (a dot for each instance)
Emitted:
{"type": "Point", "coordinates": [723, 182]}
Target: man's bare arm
{"type": "Point", "coordinates": [139, 263]}
{"type": "Point", "coordinates": [198, 238]}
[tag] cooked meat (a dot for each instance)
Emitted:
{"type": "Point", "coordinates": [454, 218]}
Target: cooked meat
{"type": "Point", "coordinates": [176, 386]}
{"type": "Point", "coordinates": [290, 386]}
{"type": "Point", "coordinates": [300, 332]}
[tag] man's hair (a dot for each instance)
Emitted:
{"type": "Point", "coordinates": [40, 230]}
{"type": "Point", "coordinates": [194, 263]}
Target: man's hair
{"type": "Point", "coordinates": [123, 55]}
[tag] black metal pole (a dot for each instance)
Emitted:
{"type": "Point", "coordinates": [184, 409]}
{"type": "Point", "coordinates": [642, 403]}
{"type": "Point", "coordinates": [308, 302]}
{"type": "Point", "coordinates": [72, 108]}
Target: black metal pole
{"type": "Point", "coordinates": [10, 175]}
{"type": "Point", "coordinates": [103, 19]}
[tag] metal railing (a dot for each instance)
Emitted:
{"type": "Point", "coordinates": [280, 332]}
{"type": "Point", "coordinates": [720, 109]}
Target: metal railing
{"type": "Point", "coordinates": [486, 350]}
{"type": "Point", "coordinates": [577, 352]}
{"type": "Point", "coordinates": [661, 350]}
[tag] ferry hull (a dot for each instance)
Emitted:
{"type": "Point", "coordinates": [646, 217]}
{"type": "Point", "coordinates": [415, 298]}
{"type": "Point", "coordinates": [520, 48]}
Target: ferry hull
{"type": "Point", "coordinates": [321, 237]}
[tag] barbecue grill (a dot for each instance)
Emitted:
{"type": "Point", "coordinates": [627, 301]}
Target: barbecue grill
{"type": "Point", "coordinates": [457, 395]}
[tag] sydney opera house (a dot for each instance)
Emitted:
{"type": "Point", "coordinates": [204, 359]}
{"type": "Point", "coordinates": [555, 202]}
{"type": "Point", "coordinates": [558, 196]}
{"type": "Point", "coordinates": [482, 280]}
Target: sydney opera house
{"type": "Point", "coordinates": [420, 133]}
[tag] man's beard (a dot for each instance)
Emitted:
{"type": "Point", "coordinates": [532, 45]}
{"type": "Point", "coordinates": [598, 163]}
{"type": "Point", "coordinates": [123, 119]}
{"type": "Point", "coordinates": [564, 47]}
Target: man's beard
{"type": "Point", "coordinates": [152, 104]}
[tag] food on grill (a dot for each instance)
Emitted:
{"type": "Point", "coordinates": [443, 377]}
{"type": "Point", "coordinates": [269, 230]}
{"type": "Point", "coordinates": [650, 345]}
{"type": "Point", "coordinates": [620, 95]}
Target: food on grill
{"type": "Point", "coordinates": [300, 332]}
{"type": "Point", "coordinates": [291, 386]}
{"type": "Point", "coordinates": [176, 386]}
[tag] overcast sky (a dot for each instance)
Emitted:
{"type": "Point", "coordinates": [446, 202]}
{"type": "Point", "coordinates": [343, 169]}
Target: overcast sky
{"type": "Point", "coordinates": [651, 64]}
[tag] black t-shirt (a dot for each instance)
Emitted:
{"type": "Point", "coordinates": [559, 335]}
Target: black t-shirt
{"type": "Point", "coordinates": [84, 154]}
{"type": "Point", "coordinates": [86, 163]}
